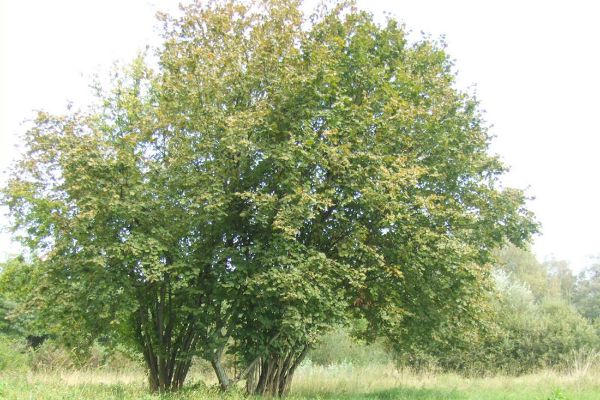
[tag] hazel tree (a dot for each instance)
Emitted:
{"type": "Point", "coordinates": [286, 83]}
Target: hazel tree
{"type": "Point", "coordinates": [273, 176]}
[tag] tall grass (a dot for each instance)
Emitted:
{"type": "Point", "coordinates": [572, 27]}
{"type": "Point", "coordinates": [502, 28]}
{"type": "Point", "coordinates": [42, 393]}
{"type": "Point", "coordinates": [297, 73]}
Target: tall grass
{"type": "Point", "coordinates": [582, 361]}
{"type": "Point", "coordinates": [45, 375]}
{"type": "Point", "coordinates": [349, 382]}
{"type": "Point", "coordinates": [338, 381]}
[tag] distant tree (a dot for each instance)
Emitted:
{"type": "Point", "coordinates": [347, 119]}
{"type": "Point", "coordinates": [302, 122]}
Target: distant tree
{"type": "Point", "coordinates": [561, 279]}
{"type": "Point", "coordinates": [272, 178]}
{"type": "Point", "coordinates": [521, 334]}
{"type": "Point", "coordinates": [536, 334]}
{"type": "Point", "coordinates": [586, 296]}
{"type": "Point", "coordinates": [522, 266]}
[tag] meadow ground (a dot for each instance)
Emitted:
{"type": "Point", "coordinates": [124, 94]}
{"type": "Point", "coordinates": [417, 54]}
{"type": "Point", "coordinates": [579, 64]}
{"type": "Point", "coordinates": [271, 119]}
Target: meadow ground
{"type": "Point", "coordinates": [343, 382]}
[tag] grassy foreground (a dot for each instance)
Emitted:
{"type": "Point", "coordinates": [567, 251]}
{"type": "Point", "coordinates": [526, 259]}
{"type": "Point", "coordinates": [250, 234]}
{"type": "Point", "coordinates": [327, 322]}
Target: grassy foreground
{"type": "Point", "coordinates": [312, 382]}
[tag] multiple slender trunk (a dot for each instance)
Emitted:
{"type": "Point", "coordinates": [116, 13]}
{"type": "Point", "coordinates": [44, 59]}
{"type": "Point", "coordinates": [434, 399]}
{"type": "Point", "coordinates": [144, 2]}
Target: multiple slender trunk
{"type": "Point", "coordinates": [269, 375]}
{"type": "Point", "coordinates": [272, 375]}
{"type": "Point", "coordinates": [167, 341]}
{"type": "Point", "coordinates": [168, 365]}
{"type": "Point", "coordinates": [168, 359]}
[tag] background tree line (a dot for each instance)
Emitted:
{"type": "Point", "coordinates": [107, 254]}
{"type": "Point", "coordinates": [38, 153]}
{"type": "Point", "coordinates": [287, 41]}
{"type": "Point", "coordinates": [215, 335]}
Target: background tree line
{"type": "Point", "coordinates": [542, 315]}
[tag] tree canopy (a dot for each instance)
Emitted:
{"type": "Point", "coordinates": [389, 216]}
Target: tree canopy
{"type": "Point", "coordinates": [587, 292]}
{"type": "Point", "coordinates": [271, 176]}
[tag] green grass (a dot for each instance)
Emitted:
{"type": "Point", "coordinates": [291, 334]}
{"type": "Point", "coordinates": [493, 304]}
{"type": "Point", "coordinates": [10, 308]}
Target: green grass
{"type": "Point", "coordinates": [347, 382]}
{"type": "Point", "coordinates": [340, 382]}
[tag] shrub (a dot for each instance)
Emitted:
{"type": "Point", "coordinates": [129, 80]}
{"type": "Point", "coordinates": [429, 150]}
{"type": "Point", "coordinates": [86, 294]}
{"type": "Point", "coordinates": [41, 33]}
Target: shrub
{"type": "Point", "coordinates": [522, 335]}
{"type": "Point", "coordinates": [339, 347]}
{"type": "Point", "coordinates": [13, 354]}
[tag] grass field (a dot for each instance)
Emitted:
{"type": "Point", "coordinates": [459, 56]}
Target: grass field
{"type": "Point", "coordinates": [343, 382]}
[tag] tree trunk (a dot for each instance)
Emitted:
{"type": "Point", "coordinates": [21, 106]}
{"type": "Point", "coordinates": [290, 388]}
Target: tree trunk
{"type": "Point", "coordinates": [272, 375]}
{"type": "Point", "coordinates": [167, 350]}
{"type": "Point", "coordinates": [165, 373]}
{"type": "Point", "coordinates": [224, 381]}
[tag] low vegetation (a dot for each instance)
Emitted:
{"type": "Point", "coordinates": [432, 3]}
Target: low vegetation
{"type": "Point", "coordinates": [339, 381]}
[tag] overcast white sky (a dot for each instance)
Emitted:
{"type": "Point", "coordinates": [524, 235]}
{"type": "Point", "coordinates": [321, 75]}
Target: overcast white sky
{"type": "Point", "coordinates": [535, 65]}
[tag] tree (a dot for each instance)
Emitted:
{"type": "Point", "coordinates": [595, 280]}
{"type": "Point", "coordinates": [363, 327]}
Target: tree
{"type": "Point", "coordinates": [561, 279]}
{"type": "Point", "coordinates": [522, 333]}
{"type": "Point", "coordinates": [586, 296]}
{"type": "Point", "coordinates": [531, 334]}
{"type": "Point", "coordinates": [522, 266]}
{"type": "Point", "coordinates": [272, 177]}
{"type": "Point", "coordinates": [15, 282]}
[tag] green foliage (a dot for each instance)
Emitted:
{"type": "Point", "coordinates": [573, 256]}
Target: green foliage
{"type": "Point", "coordinates": [17, 282]}
{"type": "Point", "coordinates": [561, 280]}
{"type": "Point", "coordinates": [6, 326]}
{"type": "Point", "coordinates": [540, 334]}
{"type": "Point", "coordinates": [531, 324]}
{"type": "Point", "coordinates": [273, 177]}
{"type": "Point", "coordinates": [52, 356]}
{"type": "Point", "coordinates": [586, 296]}
{"type": "Point", "coordinates": [523, 267]}
{"type": "Point", "coordinates": [13, 355]}
{"type": "Point", "coordinates": [338, 347]}
{"type": "Point", "coordinates": [529, 335]}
